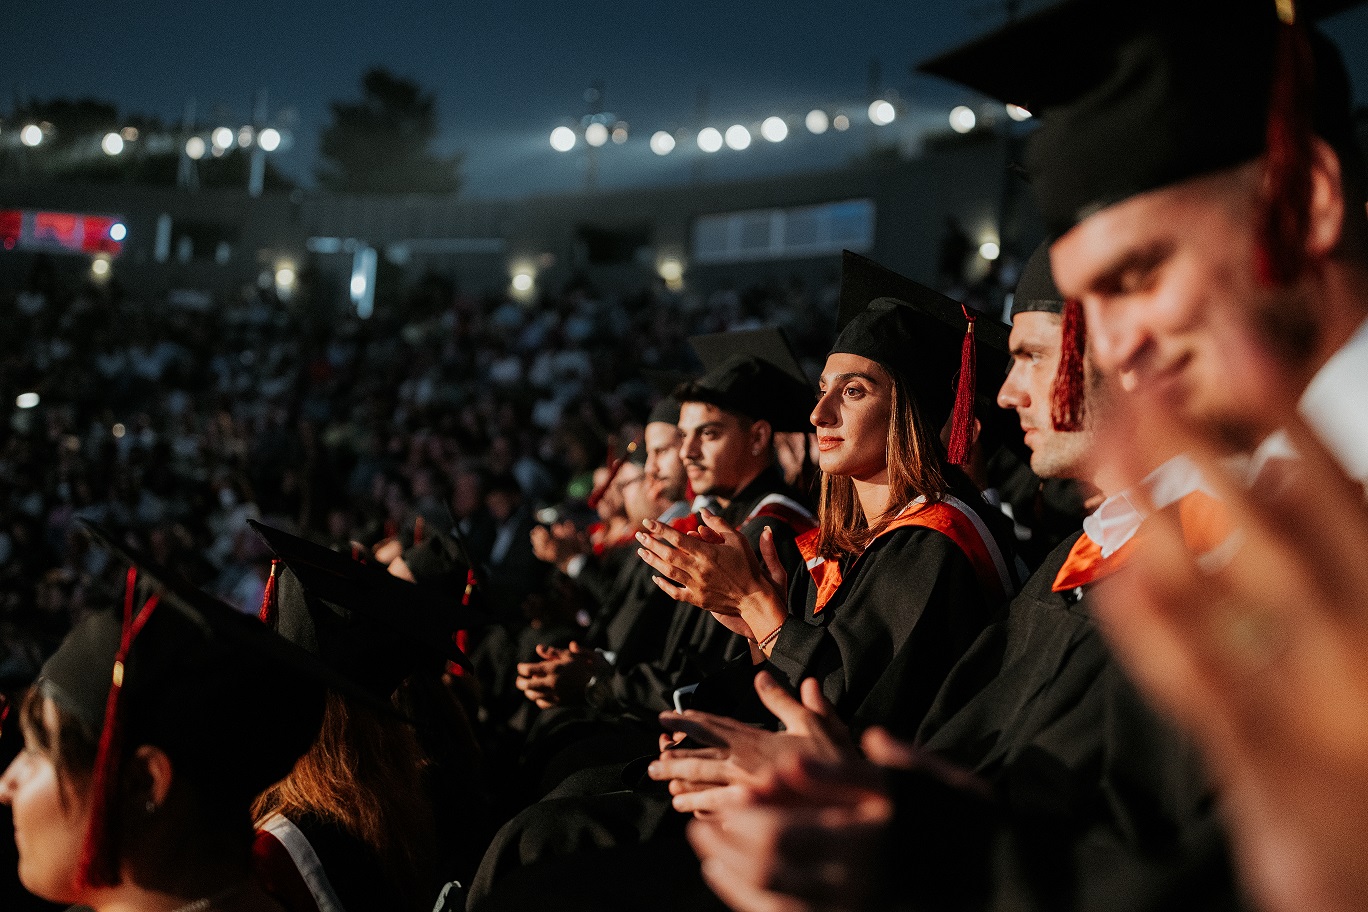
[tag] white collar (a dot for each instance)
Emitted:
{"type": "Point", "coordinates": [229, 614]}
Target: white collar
{"type": "Point", "coordinates": [1119, 517]}
{"type": "Point", "coordinates": [1334, 406]}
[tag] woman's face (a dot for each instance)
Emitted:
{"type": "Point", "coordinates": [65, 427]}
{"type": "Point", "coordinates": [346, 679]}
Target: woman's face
{"type": "Point", "coordinates": [854, 406]}
{"type": "Point", "coordinates": [50, 818]}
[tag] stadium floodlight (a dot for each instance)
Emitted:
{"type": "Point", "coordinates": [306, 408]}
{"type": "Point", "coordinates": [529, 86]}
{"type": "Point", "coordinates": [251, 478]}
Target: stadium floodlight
{"type": "Point", "coordinates": [563, 139]}
{"type": "Point", "coordinates": [709, 140]}
{"type": "Point", "coordinates": [112, 144]}
{"type": "Point", "coordinates": [269, 139]}
{"type": "Point", "coordinates": [596, 134]}
{"type": "Point", "coordinates": [962, 119]}
{"type": "Point", "coordinates": [817, 122]}
{"type": "Point", "coordinates": [881, 113]}
{"type": "Point", "coordinates": [774, 129]}
{"type": "Point", "coordinates": [662, 143]}
{"type": "Point", "coordinates": [738, 137]}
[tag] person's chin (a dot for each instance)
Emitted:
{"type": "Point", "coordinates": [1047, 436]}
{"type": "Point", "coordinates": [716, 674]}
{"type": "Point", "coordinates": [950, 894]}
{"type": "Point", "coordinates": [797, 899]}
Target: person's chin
{"type": "Point", "coordinates": [831, 463]}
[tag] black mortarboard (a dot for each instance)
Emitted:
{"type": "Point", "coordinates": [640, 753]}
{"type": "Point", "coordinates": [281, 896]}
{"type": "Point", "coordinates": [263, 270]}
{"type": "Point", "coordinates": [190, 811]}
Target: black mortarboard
{"type": "Point", "coordinates": [1133, 96]}
{"type": "Point", "coordinates": [372, 627]}
{"type": "Point", "coordinates": [1036, 289]}
{"type": "Point", "coordinates": [921, 336]}
{"type": "Point", "coordinates": [665, 411]}
{"type": "Point", "coordinates": [665, 382]}
{"type": "Point", "coordinates": [438, 561]}
{"type": "Point", "coordinates": [752, 372]}
{"type": "Point", "coordinates": [230, 702]}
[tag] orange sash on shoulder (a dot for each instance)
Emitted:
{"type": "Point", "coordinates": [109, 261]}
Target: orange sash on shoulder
{"type": "Point", "coordinates": [951, 517]}
{"type": "Point", "coordinates": [1203, 521]}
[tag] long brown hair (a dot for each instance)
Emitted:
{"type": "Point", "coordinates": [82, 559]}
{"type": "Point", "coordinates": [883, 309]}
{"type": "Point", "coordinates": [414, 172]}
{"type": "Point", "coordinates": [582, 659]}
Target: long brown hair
{"type": "Point", "coordinates": [915, 469]}
{"type": "Point", "coordinates": [364, 776]}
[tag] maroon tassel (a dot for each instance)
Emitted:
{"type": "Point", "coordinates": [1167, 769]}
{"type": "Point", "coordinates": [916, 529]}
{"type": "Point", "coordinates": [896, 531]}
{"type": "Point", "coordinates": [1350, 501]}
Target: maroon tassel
{"type": "Point", "coordinates": [358, 553]}
{"type": "Point", "coordinates": [597, 494]}
{"type": "Point", "coordinates": [99, 865]}
{"type": "Point", "coordinates": [391, 528]}
{"type": "Point", "coordinates": [419, 531]}
{"type": "Point", "coordinates": [1286, 200]}
{"type": "Point", "coordinates": [962, 418]}
{"type": "Point", "coordinates": [268, 598]}
{"type": "Point", "coordinates": [1066, 396]}
{"type": "Point", "coordinates": [471, 583]}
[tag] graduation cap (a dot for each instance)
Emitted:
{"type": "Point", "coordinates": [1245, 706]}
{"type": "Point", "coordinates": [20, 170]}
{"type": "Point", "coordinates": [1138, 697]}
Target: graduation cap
{"type": "Point", "coordinates": [438, 560]}
{"type": "Point", "coordinates": [666, 411]}
{"type": "Point", "coordinates": [1036, 291]}
{"type": "Point", "coordinates": [230, 702]}
{"type": "Point", "coordinates": [753, 372]}
{"type": "Point", "coordinates": [373, 628]}
{"type": "Point", "coordinates": [932, 343]}
{"type": "Point", "coordinates": [1133, 96]}
{"type": "Point", "coordinates": [665, 382]}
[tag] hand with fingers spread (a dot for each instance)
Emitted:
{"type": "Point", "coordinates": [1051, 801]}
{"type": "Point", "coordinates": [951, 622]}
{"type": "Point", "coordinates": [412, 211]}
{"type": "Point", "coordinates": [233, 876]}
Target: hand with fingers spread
{"type": "Point", "coordinates": [561, 677]}
{"type": "Point", "coordinates": [1262, 655]}
{"type": "Point", "coordinates": [809, 836]}
{"type": "Point", "coordinates": [717, 570]}
{"type": "Point", "coordinates": [738, 755]}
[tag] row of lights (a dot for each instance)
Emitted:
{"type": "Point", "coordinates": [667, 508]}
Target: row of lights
{"type": "Point", "coordinates": [963, 119]}
{"type": "Point", "coordinates": [524, 277]}
{"type": "Point", "coordinates": [220, 140]}
{"type": "Point", "coordinates": [737, 137]}
{"type": "Point", "coordinates": [224, 138]}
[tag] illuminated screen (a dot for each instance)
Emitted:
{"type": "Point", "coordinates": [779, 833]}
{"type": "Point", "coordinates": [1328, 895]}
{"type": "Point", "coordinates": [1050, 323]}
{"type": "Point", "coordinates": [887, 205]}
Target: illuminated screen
{"type": "Point", "coordinates": [62, 232]}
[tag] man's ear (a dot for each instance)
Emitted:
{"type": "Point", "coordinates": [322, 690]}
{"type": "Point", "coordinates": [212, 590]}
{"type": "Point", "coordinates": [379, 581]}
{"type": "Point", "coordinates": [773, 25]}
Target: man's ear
{"type": "Point", "coordinates": [1325, 221]}
{"type": "Point", "coordinates": [761, 434]}
{"type": "Point", "coordinates": [150, 775]}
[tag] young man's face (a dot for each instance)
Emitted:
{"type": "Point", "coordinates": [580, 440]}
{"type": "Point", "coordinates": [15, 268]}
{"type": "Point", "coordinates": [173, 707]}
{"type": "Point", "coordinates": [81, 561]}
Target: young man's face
{"type": "Point", "coordinates": [664, 471]}
{"type": "Point", "coordinates": [720, 450]}
{"type": "Point", "coordinates": [1035, 346]}
{"type": "Point", "coordinates": [1167, 280]}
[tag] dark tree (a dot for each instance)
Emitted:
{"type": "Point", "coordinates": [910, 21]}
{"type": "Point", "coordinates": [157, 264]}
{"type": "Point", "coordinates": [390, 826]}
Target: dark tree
{"type": "Point", "coordinates": [382, 144]}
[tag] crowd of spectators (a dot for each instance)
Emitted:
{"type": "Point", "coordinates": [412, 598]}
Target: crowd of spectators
{"type": "Point", "coordinates": [176, 425]}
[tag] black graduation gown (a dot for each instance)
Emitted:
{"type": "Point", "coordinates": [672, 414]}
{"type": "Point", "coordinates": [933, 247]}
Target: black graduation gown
{"type": "Point", "coordinates": [695, 645]}
{"type": "Point", "coordinates": [906, 611]}
{"type": "Point", "coordinates": [1097, 803]}
{"type": "Point", "coordinates": [576, 817]}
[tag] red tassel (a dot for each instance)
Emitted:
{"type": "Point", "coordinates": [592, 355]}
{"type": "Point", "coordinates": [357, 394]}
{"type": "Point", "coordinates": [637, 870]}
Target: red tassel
{"type": "Point", "coordinates": [1066, 396]}
{"type": "Point", "coordinates": [597, 494]}
{"type": "Point", "coordinates": [462, 637]}
{"type": "Point", "coordinates": [419, 531]}
{"type": "Point", "coordinates": [471, 583]}
{"type": "Point", "coordinates": [358, 553]}
{"type": "Point", "coordinates": [268, 598]}
{"type": "Point", "coordinates": [391, 528]}
{"type": "Point", "coordinates": [1286, 201]}
{"type": "Point", "coordinates": [462, 640]}
{"type": "Point", "coordinates": [962, 418]}
{"type": "Point", "coordinates": [99, 865]}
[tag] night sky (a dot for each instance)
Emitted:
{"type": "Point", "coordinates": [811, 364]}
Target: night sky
{"type": "Point", "coordinates": [508, 71]}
